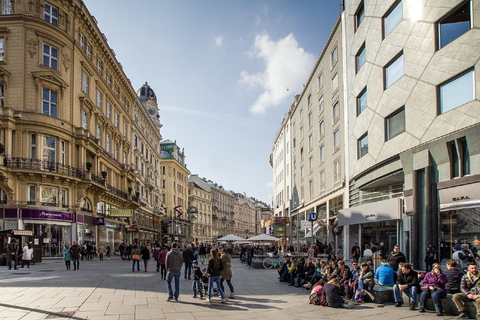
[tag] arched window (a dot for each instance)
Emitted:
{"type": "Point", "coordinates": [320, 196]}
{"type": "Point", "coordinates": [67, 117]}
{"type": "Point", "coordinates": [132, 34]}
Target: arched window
{"type": "Point", "coordinates": [86, 205]}
{"type": "Point", "coordinates": [3, 196]}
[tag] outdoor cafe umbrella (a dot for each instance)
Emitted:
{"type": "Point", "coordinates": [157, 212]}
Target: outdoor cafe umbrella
{"type": "Point", "coordinates": [231, 237]}
{"type": "Point", "coordinates": [263, 237]}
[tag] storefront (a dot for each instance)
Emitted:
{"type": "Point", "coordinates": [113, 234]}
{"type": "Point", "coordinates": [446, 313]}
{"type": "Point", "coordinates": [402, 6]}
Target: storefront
{"type": "Point", "coordinates": [54, 228]}
{"type": "Point", "coordinates": [459, 215]}
{"type": "Point", "coordinates": [86, 227]}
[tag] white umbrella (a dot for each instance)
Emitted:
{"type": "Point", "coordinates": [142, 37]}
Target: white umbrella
{"type": "Point", "coordinates": [231, 237]}
{"type": "Point", "coordinates": [263, 237]}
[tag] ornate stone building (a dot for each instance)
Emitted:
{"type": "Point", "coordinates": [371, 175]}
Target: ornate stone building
{"type": "Point", "coordinates": [175, 224]}
{"type": "Point", "coordinates": [222, 214]}
{"type": "Point", "coordinates": [65, 127]}
{"type": "Point", "coordinates": [200, 197]}
{"type": "Point", "coordinates": [245, 216]}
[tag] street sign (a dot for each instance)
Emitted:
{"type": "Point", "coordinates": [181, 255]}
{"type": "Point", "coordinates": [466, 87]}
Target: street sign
{"type": "Point", "coordinates": [312, 216]}
{"type": "Point", "coordinates": [305, 224]}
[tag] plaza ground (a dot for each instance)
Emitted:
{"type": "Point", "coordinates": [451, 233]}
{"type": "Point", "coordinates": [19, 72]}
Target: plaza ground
{"type": "Point", "coordinates": [110, 290]}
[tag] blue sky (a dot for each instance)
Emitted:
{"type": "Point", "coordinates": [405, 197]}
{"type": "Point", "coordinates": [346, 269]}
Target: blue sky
{"type": "Point", "coordinates": [220, 71]}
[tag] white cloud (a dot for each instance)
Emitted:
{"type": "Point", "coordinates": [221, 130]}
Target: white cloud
{"type": "Point", "coordinates": [286, 66]}
{"type": "Point", "coordinates": [219, 41]}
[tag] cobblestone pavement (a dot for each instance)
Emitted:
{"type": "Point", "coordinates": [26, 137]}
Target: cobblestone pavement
{"type": "Point", "coordinates": [110, 290]}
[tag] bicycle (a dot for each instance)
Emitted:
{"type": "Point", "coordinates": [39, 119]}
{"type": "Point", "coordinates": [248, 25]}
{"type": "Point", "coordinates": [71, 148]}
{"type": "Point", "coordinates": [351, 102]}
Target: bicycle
{"type": "Point", "coordinates": [270, 262]}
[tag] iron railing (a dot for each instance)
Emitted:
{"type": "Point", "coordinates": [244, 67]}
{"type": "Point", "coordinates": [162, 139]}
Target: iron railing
{"type": "Point", "coordinates": [43, 165]}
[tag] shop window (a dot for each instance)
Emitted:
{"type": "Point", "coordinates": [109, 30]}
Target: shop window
{"type": "Point", "coordinates": [362, 101]}
{"type": "Point", "coordinates": [395, 124]}
{"type": "Point", "coordinates": [456, 92]}
{"type": "Point", "coordinates": [393, 17]}
{"type": "Point", "coordinates": [394, 70]}
{"type": "Point", "coordinates": [362, 146]}
{"type": "Point", "coordinates": [454, 25]}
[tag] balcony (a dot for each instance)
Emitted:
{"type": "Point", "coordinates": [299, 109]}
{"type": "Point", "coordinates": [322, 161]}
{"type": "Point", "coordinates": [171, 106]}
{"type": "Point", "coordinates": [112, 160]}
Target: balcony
{"type": "Point", "coordinates": [142, 200]}
{"type": "Point", "coordinates": [42, 165]}
{"type": "Point", "coordinates": [149, 182]}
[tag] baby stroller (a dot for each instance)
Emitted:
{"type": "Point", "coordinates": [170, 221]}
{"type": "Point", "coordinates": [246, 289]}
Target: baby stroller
{"type": "Point", "coordinates": [205, 284]}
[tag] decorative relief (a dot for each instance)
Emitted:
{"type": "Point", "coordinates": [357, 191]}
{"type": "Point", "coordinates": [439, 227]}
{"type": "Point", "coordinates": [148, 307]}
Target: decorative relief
{"type": "Point", "coordinates": [32, 47]}
{"type": "Point", "coordinates": [66, 61]}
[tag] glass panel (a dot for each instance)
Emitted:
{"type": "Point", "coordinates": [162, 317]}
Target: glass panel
{"type": "Point", "coordinates": [363, 146]}
{"type": "Point", "coordinates": [394, 71]}
{"type": "Point", "coordinates": [393, 19]}
{"type": "Point", "coordinates": [362, 102]}
{"type": "Point", "coordinates": [454, 25]}
{"type": "Point", "coordinates": [456, 92]}
{"type": "Point", "coordinates": [361, 58]}
{"type": "Point", "coordinates": [396, 124]}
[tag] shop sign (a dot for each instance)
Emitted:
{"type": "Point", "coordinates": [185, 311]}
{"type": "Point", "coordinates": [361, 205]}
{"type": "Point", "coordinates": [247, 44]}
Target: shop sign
{"type": "Point", "coordinates": [385, 210]}
{"type": "Point", "coordinates": [121, 213]}
{"type": "Point", "coordinates": [305, 224]}
{"type": "Point", "coordinates": [459, 197]}
{"type": "Point", "coordinates": [100, 221]}
{"type": "Point", "coordinates": [46, 215]}
{"type": "Point", "coordinates": [110, 225]}
{"type": "Point", "coordinates": [131, 229]}
{"type": "Point", "coordinates": [280, 230]}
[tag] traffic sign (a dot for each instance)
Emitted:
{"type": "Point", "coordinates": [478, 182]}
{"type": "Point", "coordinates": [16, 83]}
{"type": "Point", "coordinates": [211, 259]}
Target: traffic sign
{"type": "Point", "coordinates": [312, 216]}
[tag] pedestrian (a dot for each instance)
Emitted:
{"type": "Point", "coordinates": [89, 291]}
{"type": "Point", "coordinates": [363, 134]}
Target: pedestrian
{"type": "Point", "coordinates": [356, 252]}
{"type": "Point", "coordinates": [197, 278]}
{"type": "Point", "coordinates": [407, 282]}
{"type": "Point", "coordinates": [188, 257]}
{"type": "Point", "coordinates": [251, 253]}
{"type": "Point", "coordinates": [75, 255]}
{"type": "Point", "coordinates": [135, 251]}
{"type": "Point", "coordinates": [214, 269]}
{"type": "Point", "coordinates": [395, 257]}
{"type": "Point", "coordinates": [454, 277]}
{"type": "Point", "coordinates": [66, 255]}
{"type": "Point", "coordinates": [12, 254]}
{"type": "Point", "coordinates": [27, 255]}
{"type": "Point", "coordinates": [173, 263]}
{"type": "Point", "coordinates": [433, 286]}
{"type": "Point", "coordinates": [161, 261]}
{"type": "Point", "coordinates": [121, 248]}
{"type": "Point", "coordinates": [101, 251]}
{"type": "Point", "coordinates": [469, 291]}
{"type": "Point", "coordinates": [226, 273]}
{"type": "Point", "coordinates": [202, 252]}
{"type": "Point", "coordinates": [145, 257]}
{"type": "Point", "coordinates": [108, 248]}
{"type": "Point", "coordinates": [430, 258]}
{"type": "Point", "coordinates": [382, 251]}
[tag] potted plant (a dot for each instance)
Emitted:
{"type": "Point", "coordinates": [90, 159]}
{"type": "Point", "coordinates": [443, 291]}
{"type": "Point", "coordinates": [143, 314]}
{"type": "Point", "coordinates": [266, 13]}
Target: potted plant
{"type": "Point", "coordinates": [104, 175]}
{"type": "Point", "coordinates": [129, 190]}
{"type": "Point", "coordinates": [88, 165]}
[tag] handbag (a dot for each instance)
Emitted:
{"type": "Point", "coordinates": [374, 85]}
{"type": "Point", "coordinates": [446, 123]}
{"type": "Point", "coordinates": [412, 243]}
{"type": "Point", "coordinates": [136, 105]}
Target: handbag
{"type": "Point", "coordinates": [136, 257]}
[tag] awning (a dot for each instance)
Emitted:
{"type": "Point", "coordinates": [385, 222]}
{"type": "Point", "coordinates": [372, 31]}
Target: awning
{"type": "Point", "coordinates": [22, 232]}
{"type": "Point", "coordinates": [460, 205]}
{"type": "Point", "coordinates": [385, 210]}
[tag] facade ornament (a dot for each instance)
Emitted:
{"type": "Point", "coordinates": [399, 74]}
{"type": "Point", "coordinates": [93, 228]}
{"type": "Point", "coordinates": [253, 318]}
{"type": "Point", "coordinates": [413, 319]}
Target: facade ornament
{"type": "Point", "coordinates": [32, 47]}
{"type": "Point", "coordinates": [66, 61]}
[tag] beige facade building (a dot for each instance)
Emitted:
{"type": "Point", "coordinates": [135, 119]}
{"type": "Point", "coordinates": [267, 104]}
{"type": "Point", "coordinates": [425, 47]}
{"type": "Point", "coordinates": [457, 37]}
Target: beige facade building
{"type": "Point", "coordinates": [66, 127]}
{"type": "Point", "coordinates": [223, 219]}
{"type": "Point", "coordinates": [175, 224]}
{"type": "Point", "coordinates": [245, 217]}
{"type": "Point", "coordinates": [200, 200]}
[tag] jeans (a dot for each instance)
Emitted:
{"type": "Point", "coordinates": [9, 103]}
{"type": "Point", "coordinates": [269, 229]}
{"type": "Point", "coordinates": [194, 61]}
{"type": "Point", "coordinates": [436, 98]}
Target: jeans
{"type": "Point", "coordinates": [170, 276]}
{"type": "Point", "coordinates": [436, 296]}
{"type": "Point", "coordinates": [229, 282]}
{"type": "Point", "coordinates": [138, 265]}
{"type": "Point", "coordinates": [188, 269]}
{"type": "Point", "coordinates": [163, 271]}
{"type": "Point", "coordinates": [361, 286]}
{"type": "Point", "coordinates": [211, 280]}
{"type": "Point", "coordinates": [249, 260]}
{"type": "Point", "coordinates": [76, 263]}
{"type": "Point", "coordinates": [14, 258]}
{"type": "Point", "coordinates": [398, 295]}
{"type": "Point", "coordinates": [197, 286]}
{"type": "Point", "coordinates": [145, 264]}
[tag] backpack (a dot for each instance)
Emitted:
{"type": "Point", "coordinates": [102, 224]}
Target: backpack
{"type": "Point", "coordinates": [318, 299]}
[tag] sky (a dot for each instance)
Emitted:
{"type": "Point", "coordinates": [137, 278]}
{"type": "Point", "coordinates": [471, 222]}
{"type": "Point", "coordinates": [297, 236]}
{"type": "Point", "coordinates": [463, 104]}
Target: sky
{"type": "Point", "coordinates": [224, 73]}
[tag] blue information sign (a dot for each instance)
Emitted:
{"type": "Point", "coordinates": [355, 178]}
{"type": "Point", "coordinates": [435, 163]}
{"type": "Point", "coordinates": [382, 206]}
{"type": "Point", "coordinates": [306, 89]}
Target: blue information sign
{"type": "Point", "coordinates": [312, 216]}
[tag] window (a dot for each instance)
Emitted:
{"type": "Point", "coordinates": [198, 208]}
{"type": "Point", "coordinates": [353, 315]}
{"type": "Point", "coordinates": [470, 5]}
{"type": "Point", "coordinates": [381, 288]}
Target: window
{"type": "Point", "coordinates": [301, 132]}
{"type": "Point", "coordinates": [49, 102]}
{"type": "Point", "coordinates": [360, 58]}
{"type": "Point", "coordinates": [395, 124]}
{"type": "Point", "coordinates": [359, 15]}
{"type": "Point", "coordinates": [100, 66]}
{"type": "Point", "coordinates": [109, 109]}
{"type": "Point", "coordinates": [116, 151]}
{"type": "Point", "coordinates": [117, 91]}
{"type": "Point", "coordinates": [362, 146]}
{"type": "Point", "coordinates": [98, 132]}
{"type": "Point", "coordinates": [6, 6]}
{"type": "Point", "coordinates": [48, 196]}
{"type": "Point", "coordinates": [302, 172]}
{"type": "Point", "coordinates": [85, 82]}
{"type": "Point", "coordinates": [108, 143]}
{"type": "Point", "coordinates": [322, 180]}
{"type": "Point", "coordinates": [310, 142]}
{"type": "Point", "coordinates": [310, 163]}
{"type": "Point", "coordinates": [392, 19]}
{"type": "Point", "coordinates": [393, 71]}
{"type": "Point", "coordinates": [99, 99]}
{"type": "Point", "coordinates": [320, 105]}
{"type": "Point", "coordinates": [334, 57]}
{"type": "Point", "coordinates": [89, 51]}
{"type": "Point", "coordinates": [336, 170]}
{"type": "Point", "coordinates": [33, 146]}
{"type": "Point", "coordinates": [49, 153]}
{"type": "Point", "coordinates": [464, 156]}
{"type": "Point", "coordinates": [109, 79]}
{"type": "Point", "coordinates": [124, 129]}
{"type": "Point", "coordinates": [321, 152]}
{"type": "Point", "coordinates": [309, 100]}
{"type": "Point", "coordinates": [301, 115]}
{"type": "Point", "coordinates": [336, 112]}
{"type": "Point", "coordinates": [335, 83]}
{"type": "Point", "coordinates": [32, 194]}
{"type": "Point", "coordinates": [310, 187]}
{"type": "Point", "coordinates": [321, 128]}
{"type": "Point", "coordinates": [116, 119]}
{"type": "Point", "coordinates": [2, 95]}
{"type": "Point", "coordinates": [64, 198]}
{"type": "Point", "coordinates": [50, 56]}
{"type": "Point", "coordinates": [320, 81]}
{"type": "Point", "coordinates": [124, 157]}
{"type": "Point", "coordinates": [50, 14]}
{"type": "Point", "coordinates": [456, 92]}
{"type": "Point", "coordinates": [310, 120]}
{"type": "Point", "coordinates": [82, 41]}
{"type": "Point", "coordinates": [62, 152]}
{"type": "Point", "coordinates": [336, 139]}
{"type": "Point", "coordinates": [2, 49]}
{"type": "Point", "coordinates": [362, 101]}
{"type": "Point", "coordinates": [84, 120]}
{"type": "Point", "coordinates": [454, 25]}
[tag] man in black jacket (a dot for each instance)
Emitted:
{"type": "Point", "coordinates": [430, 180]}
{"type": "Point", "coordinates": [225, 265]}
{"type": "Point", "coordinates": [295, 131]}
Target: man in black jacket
{"type": "Point", "coordinates": [470, 291]}
{"type": "Point", "coordinates": [407, 282]}
{"type": "Point", "coordinates": [188, 257]}
{"type": "Point", "coordinates": [395, 257]}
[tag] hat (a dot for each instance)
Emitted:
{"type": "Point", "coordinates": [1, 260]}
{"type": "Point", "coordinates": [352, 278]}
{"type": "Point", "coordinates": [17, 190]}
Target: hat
{"type": "Point", "coordinates": [464, 245]}
{"type": "Point", "coordinates": [195, 261]}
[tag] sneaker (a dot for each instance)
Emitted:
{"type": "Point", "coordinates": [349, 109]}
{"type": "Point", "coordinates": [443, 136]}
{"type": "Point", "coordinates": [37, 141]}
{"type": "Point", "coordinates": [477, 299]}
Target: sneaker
{"type": "Point", "coordinates": [202, 298]}
{"type": "Point", "coordinates": [194, 296]}
{"type": "Point", "coordinates": [232, 296]}
{"type": "Point", "coordinates": [207, 300]}
{"type": "Point", "coordinates": [176, 299]}
{"type": "Point", "coordinates": [224, 300]}
{"type": "Point", "coordinates": [412, 306]}
{"type": "Point", "coordinates": [398, 304]}
{"type": "Point", "coordinates": [440, 313]}
{"type": "Point", "coordinates": [169, 298]}
{"type": "Point", "coordinates": [359, 300]}
{"type": "Point", "coordinates": [308, 285]}
{"type": "Point", "coordinates": [421, 310]}
{"type": "Point", "coordinates": [462, 315]}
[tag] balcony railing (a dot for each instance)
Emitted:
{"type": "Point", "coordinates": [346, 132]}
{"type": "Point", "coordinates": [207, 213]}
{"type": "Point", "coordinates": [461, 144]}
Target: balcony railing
{"type": "Point", "coordinates": [27, 163]}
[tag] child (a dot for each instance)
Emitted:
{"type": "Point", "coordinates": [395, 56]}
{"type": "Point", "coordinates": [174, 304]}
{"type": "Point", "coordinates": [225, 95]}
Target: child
{"type": "Point", "coordinates": [197, 277]}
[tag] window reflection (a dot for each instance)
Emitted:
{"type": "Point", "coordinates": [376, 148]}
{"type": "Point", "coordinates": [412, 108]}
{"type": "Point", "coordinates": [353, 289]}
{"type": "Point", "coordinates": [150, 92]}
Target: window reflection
{"type": "Point", "coordinates": [456, 92]}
